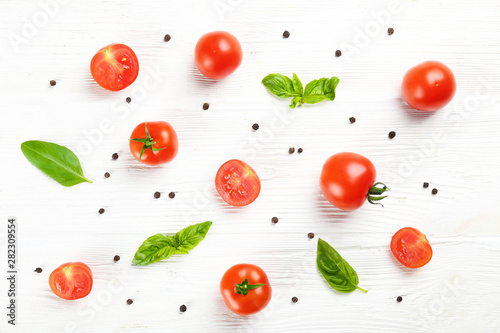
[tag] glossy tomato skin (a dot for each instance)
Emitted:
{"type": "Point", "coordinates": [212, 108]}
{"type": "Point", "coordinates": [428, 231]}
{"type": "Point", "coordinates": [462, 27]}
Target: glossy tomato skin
{"type": "Point", "coordinates": [218, 54]}
{"type": "Point", "coordinates": [256, 299]}
{"type": "Point", "coordinates": [346, 179]}
{"type": "Point", "coordinates": [72, 280]}
{"type": "Point", "coordinates": [428, 86]}
{"type": "Point", "coordinates": [165, 137]}
{"type": "Point", "coordinates": [237, 183]}
{"type": "Point", "coordinates": [114, 67]}
{"type": "Point", "coordinates": [411, 248]}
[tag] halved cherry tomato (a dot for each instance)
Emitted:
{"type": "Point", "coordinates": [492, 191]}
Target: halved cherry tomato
{"type": "Point", "coordinates": [347, 180]}
{"type": "Point", "coordinates": [72, 280]}
{"type": "Point", "coordinates": [245, 289]}
{"type": "Point", "coordinates": [237, 183]}
{"type": "Point", "coordinates": [114, 67]}
{"type": "Point", "coordinates": [217, 54]}
{"type": "Point", "coordinates": [429, 86]}
{"type": "Point", "coordinates": [411, 248]}
{"type": "Point", "coordinates": [154, 143]}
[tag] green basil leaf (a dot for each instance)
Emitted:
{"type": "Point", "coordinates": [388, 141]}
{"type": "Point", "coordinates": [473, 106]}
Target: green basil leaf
{"type": "Point", "coordinates": [296, 100]}
{"type": "Point", "coordinates": [320, 90]}
{"type": "Point", "coordinates": [154, 249]}
{"type": "Point", "coordinates": [161, 247]}
{"type": "Point", "coordinates": [279, 85]}
{"type": "Point", "coordinates": [297, 85]}
{"type": "Point", "coordinates": [187, 239]}
{"type": "Point", "coordinates": [57, 162]}
{"type": "Point", "coordinates": [336, 271]}
{"type": "Point", "coordinates": [315, 91]}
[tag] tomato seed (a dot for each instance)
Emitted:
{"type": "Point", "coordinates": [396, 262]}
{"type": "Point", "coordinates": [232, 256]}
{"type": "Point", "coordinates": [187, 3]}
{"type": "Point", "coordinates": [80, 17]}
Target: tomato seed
{"type": "Point", "coordinates": [52, 82]}
{"type": "Point", "coordinates": [392, 135]}
{"type": "Point", "coordinates": [352, 120]}
{"type": "Point", "coordinates": [286, 34]}
{"type": "Point", "coordinates": [274, 220]}
{"type": "Point", "coordinates": [255, 126]}
{"type": "Point", "coordinates": [38, 270]}
{"type": "Point", "coordinates": [434, 191]}
{"type": "Point", "coordinates": [116, 258]}
{"type": "Point", "coordinates": [206, 106]}
{"type": "Point", "coordinates": [426, 185]}
{"type": "Point", "coordinates": [338, 53]}
{"type": "Point", "coordinates": [399, 299]}
{"type": "Point", "coordinates": [182, 308]}
{"type": "Point", "coordinates": [291, 150]}
{"type": "Point", "coordinates": [295, 299]}
{"type": "Point", "coordinates": [114, 156]}
{"type": "Point", "coordinates": [128, 99]}
{"type": "Point", "coordinates": [157, 195]}
{"type": "Point", "coordinates": [171, 195]}
{"type": "Point", "coordinates": [167, 38]}
{"type": "Point", "coordinates": [310, 235]}
{"type": "Point", "coordinates": [390, 31]}
{"type": "Point", "coordinates": [101, 211]}
{"type": "Point", "coordinates": [129, 301]}
{"type": "Point", "coordinates": [300, 150]}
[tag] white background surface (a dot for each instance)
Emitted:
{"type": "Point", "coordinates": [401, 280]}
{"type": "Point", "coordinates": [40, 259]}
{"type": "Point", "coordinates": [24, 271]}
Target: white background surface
{"type": "Point", "coordinates": [456, 150]}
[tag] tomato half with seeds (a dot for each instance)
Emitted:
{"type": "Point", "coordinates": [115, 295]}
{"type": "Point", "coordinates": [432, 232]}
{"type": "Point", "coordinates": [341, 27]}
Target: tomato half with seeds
{"type": "Point", "coordinates": [114, 67]}
{"type": "Point", "coordinates": [348, 180]}
{"type": "Point", "coordinates": [72, 280]}
{"type": "Point", "coordinates": [245, 289]}
{"type": "Point", "coordinates": [411, 248]}
{"type": "Point", "coordinates": [428, 86]}
{"type": "Point", "coordinates": [237, 183]}
{"type": "Point", "coordinates": [218, 54]}
{"type": "Point", "coordinates": [154, 143]}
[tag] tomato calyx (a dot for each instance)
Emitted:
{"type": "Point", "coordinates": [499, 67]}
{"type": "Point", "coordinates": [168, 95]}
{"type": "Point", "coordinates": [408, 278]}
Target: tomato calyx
{"type": "Point", "coordinates": [243, 288]}
{"type": "Point", "coordinates": [375, 193]}
{"type": "Point", "coordinates": [148, 142]}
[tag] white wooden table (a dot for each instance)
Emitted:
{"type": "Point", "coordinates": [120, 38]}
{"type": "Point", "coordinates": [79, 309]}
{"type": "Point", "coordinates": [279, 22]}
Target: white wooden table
{"type": "Point", "coordinates": [456, 150]}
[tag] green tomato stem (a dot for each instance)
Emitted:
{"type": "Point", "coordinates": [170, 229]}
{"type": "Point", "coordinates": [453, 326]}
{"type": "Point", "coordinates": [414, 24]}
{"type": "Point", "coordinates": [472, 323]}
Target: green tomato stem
{"type": "Point", "coordinates": [147, 143]}
{"type": "Point", "coordinates": [375, 193]}
{"type": "Point", "coordinates": [243, 288]}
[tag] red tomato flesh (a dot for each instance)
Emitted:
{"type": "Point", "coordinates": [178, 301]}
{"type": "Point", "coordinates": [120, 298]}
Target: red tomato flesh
{"type": "Point", "coordinates": [72, 280]}
{"type": "Point", "coordinates": [237, 183]}
{"type": "Point", "coordinates": [114, 67]}
{"type": "Point", "coordinates": [428, 86]}
{"type": "Point", "coordinates": [411, 248]}
{"type": "Point", "coordinates": [218, 54]}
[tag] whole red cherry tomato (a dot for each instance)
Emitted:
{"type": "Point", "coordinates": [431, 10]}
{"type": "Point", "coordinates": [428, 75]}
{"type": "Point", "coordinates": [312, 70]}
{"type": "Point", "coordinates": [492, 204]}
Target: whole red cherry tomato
{"type": "Point", "coordinates": [411, 248]}
{"type": "Point", "coordinates": [245, 289]}
{"type": "Point", "coordinates": [348, 179]}
{"type": "Point", "coordinates": [217, 54]}
{"type": "Point", "coordinates": [428, 86]}
{"type": "Point", "coordinates": [114, 67]}
{"type": "Point", "coordinates": [154, 143]}
{"type": "Point", "coordinates": [71, 280]}
{"type": "Point", "coordinates": [237, 183]}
